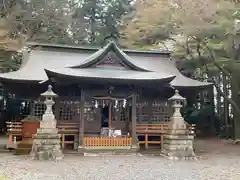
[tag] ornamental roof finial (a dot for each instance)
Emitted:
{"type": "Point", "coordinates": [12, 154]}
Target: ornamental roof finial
{"type": "Point", "coordinates": [111, 38]}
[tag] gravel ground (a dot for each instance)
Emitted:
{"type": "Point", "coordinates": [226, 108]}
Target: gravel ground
{"type": "Point", "coordinates": [218, 160]}
{"type": "Point", "coordinates": [74, 167]}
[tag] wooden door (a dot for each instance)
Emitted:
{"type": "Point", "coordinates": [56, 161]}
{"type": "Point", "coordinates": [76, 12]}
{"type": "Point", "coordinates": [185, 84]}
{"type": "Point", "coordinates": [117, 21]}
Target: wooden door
{"type": "Point", "coordinates": [92, 117]}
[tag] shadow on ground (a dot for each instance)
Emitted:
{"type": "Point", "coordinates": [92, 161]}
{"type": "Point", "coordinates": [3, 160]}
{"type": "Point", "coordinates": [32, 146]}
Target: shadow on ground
{"type": "Point", "coordinates": [204, 148]}
{"type": "Point", "coordinates": [210, 146]}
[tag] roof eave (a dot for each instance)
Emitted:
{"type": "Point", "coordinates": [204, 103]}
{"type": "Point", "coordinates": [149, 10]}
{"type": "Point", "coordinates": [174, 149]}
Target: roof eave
{"type": "Point", "coordinates": [53, 74]}
{"type": "Point", "coordinates": [23, 81]}
{"type": "Point", "coordinates": [202, 85]}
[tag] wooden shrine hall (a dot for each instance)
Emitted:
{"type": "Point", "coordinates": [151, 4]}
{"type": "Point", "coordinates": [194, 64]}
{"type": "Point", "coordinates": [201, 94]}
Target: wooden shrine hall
{"type": "Point", "coordinates": [102, 93]}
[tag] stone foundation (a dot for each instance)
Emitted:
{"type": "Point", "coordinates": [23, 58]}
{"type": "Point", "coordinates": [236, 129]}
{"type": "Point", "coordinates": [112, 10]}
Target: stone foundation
{"type": "Point", "coordinates": [177, 143]}
{"type": "Point", "coordinates": [178, 147]}
{"type": "Point", "coordinates": [46, 145]}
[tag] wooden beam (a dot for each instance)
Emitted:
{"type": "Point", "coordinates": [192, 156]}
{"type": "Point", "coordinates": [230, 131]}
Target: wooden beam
{"type": "Point", "coordinates": [110, 114]}
{"type": "Point", "coordinates": [134, 122]}
{"type": "Point", "coordinates": [81, 119]}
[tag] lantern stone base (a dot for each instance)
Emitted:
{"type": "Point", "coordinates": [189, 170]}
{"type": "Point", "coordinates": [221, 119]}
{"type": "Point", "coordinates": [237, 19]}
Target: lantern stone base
{"type": "Point", "coordinates": [46, 145]}
{"type": "Point", "coordinates": [178, 147]}
{"type": "Point", "coordinates": [134, 148]}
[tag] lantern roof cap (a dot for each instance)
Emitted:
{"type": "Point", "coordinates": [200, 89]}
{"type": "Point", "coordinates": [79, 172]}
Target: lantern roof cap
{"type": "Point", "coordinates": [176, 96]}
{"type": "Point", "coordinates": [49, 92]}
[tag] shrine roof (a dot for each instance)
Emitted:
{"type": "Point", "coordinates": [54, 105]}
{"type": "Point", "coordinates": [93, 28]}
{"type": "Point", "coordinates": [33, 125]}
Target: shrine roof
{"type": "Point", "coordinates": [62, 47]}
{"type": "Point", "coordinates": [109, 74]}
{"type": "Point", "coordinates": [44, 60]}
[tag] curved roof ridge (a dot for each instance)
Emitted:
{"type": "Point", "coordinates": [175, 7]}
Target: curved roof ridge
{"type": "Point", "coordinates": [97, 57]}
{"type": "Point", "coordinates": [92, 57]}
{"type": "Point", "coordinates": [127, 59]}
{"type": "Point", "coordinates": [91, 48]}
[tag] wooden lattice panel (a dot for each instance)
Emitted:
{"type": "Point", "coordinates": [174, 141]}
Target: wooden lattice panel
{"type": "Point", "coordinates": [160, 112]}
{"type": "Point", "coordinates": [142, 112]}
{"type": "Point", "coordinates": [39, 109]}
{"type": "Point", "coordinates": [69, 110]}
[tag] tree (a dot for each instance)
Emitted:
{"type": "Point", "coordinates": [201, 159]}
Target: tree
{"type": "Point", "coordinates": [101, 18]}
{"type": "Point", "coordinates": [35, 20]}
{"type": "Point", "coordinates": [65, 21]}
{"type": "Point", "coordinates": [9, 55]}
{"type": "Point", "coordinates": [202, 34]}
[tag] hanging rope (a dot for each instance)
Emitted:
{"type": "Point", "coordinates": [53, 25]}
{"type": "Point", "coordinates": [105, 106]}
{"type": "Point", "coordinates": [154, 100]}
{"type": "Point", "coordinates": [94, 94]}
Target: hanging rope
{"type": "Point", "coordinates": [107, 97]}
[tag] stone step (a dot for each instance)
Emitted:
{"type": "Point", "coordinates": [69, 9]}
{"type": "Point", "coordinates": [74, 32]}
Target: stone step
{"type": "Point", "coordinates": [24, 146]}
{"type": "Point", "coordinates": [22, 151]}
{"type": "Point", "coordinates": [2, 150]}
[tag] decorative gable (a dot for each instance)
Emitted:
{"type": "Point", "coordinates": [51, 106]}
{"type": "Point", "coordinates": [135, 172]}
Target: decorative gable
{"type": "Point", "coordinates": [111, 60]}
{"type": "Point", "coordinates": [111, 57]}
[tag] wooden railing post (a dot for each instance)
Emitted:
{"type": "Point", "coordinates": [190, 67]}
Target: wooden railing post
{"type": "Point", "coordinates": [94, 142]}
{"type": "Point", "coordinates": [134, 122]}
{"type": "Point", "coordinates": [155, 130]}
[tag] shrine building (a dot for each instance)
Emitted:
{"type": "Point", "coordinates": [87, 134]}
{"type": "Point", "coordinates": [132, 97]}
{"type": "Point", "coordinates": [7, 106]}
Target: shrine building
{"type": "Point", "coordinates": [105, 88]}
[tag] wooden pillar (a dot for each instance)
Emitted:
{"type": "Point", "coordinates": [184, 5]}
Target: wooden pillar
{"type": "Point", "coordinates": [110, 114]}
{"type": "Point", "coordinates": [57, 109]}
{"type": "Point", "coordinates": [32, 106]}
{"type": "Point", "coordinates": [118, 118]}
{"type": "Point", "coordinates": [134, 122]}
{"type": "Point", "coordinates": [81, 124]}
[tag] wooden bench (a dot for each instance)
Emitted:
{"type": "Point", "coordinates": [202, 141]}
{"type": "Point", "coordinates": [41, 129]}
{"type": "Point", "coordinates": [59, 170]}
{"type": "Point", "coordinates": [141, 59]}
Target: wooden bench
{"type": "Point", "coordinates": [155, 130]}
{"type": "Point", "coordinates": [65, 128]}
{"type": "Point", "coordinates": [68, 129]}
{"type": "Point", "coordinates": [14, 132]}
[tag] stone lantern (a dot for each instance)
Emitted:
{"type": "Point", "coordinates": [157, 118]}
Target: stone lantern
{"type": "Point", "coordinates": [177, 123]}
{"type": "Point", "coordinates": [178, 143]}
{"type": "Point", "coordinates": [46, 143]}
{"type": "Point", "coordinates": [48, 118]}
